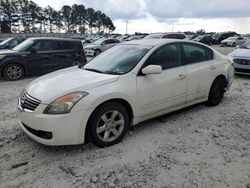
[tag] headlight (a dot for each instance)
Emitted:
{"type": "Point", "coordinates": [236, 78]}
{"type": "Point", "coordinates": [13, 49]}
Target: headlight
{"type": "Point", "coordinates": [2, 56]}
{"type": "Point", "coordinates": [64, 104]}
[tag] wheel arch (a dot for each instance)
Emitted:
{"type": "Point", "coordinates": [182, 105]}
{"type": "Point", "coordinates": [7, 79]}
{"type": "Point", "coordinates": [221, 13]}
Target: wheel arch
{"type": "Point", "coordinates": [121, 101]}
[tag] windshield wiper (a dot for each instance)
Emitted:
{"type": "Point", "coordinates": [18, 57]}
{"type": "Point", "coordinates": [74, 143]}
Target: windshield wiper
{"type": "Point", "coordinates": [93, 70]}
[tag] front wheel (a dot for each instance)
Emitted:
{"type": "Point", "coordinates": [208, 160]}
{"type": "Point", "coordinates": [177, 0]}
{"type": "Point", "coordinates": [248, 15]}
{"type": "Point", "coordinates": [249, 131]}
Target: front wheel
{"type": "Point", "coordinates": [216, 92]}
{"type": "Point", "coordinates": [13, 72]}
{"type": "Point", "coordinates": [108, 124]}
{"type": "Point", "coordinates": [97, 52]}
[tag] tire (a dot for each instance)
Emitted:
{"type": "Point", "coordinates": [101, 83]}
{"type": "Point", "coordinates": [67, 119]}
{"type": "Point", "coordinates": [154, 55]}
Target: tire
{"type": "Point", "coordinates": [101, 126]}
{"type": "Point", "coordinates": [216, 92]}
{"type": "Point", "coordinates": [234, 45]}
{"type": "Point", "coordinates": [97, 52]}
{"type": "Point", "coordinates": [13, 72]}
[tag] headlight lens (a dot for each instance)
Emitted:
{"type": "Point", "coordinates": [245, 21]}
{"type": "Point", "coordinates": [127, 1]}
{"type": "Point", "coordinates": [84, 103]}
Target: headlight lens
{"type": "Point", "coordinates": [2, 56]}
{"type": "Point", "coordinates": [64, 104]}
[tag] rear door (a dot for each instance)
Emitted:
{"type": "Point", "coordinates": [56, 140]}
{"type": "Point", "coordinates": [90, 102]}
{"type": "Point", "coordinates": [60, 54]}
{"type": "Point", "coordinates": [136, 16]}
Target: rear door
{"type": "Point", "coordinates": [65, 54]}
{"type": "Point", "coordinates": [199, 66]}
{"type": "Point", "coordinates": [41, 58]}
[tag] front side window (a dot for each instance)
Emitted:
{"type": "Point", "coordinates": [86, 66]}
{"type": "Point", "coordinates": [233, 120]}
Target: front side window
{"type": "Point", "coordinates": [196, 53]}
{"type": "Point", "coordinates": [167, 57]}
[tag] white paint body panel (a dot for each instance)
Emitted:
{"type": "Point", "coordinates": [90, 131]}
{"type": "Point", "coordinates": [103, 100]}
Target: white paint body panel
{"type": "Point", "coordinates": [149, 96]}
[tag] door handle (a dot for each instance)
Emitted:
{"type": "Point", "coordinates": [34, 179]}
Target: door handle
{"type": "Point", "coordinates": [212, 67]}
{"type": "Point", "coordinates": [181, 77]}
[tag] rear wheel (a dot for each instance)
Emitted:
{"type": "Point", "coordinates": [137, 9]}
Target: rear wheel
{"type": "Point", "coordinates": [108, 124]}
{"type": "Point", "coordinates": [13, 72]}
{"type": "Point", "coordinates": [216, 92]}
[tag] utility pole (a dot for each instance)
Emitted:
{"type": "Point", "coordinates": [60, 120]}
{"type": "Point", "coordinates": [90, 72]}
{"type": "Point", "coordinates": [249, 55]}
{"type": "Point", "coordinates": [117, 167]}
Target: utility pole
{"type": "Point", "coordinates": [126, 27]}
{"type": "Point", "coordinates": [1, 19]}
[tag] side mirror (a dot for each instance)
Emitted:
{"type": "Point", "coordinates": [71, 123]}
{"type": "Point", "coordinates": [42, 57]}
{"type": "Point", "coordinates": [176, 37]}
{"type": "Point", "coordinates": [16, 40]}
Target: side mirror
{"type": "Point", "coordinates": [152, 69]}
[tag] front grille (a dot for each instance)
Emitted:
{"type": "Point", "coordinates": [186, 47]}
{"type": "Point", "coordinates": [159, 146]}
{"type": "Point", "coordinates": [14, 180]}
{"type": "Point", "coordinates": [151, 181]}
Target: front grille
{"type": "Point", "coordinates": [242, 70]}
{"type": "Point", "coordinates": [42, 134]}
{"type": "Point", "coordinates": [28, 102]}
{"type": "Point", "coordinates": [242, 61]}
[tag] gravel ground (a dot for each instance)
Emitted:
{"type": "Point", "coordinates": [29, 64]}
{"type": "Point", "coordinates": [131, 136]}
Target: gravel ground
{"type": "Point", "coordinates": [197, 147]}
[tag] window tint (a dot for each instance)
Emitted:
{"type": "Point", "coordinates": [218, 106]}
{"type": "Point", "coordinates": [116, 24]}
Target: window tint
{"type": "Point", "coordinates": [174, 36]}
{"type": "Point", "coordinates": [45, 45]}
{"type": "Point", "coordinates": [196, 53]}
{"type": "Point", "coordinates": [167, 56]}
{"type": "Point", "coordinates": [64, 45]}
{"type": "Point", "coordinates": [179, 36]}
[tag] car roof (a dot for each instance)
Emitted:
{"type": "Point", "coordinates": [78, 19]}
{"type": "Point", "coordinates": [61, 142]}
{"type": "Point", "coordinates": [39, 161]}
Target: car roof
{"type": "Point", "coordinates": [53, 38]}
{"type": "Point", "coordinates": [152, 42]}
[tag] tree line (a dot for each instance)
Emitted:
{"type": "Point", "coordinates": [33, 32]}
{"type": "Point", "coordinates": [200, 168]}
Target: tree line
{"type": "Point", "coordinates": [25, 16]}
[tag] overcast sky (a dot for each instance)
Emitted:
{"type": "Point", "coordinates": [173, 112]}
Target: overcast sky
{"type": "Point", "coordinates": [167, 15]}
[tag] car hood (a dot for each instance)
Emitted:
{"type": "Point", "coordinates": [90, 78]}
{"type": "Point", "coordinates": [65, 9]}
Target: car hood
{"type": "Point", "coordinates": [51, 86]}
{"type": "Point", "coordinates": [240, 53]}
{"type": "Point", "coordinates": [6, 52]}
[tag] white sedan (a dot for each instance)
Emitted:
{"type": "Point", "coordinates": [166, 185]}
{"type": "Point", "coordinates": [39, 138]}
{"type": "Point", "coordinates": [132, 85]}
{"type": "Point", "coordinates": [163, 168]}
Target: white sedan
{"type": "Point", "coordinates": [122, 87]}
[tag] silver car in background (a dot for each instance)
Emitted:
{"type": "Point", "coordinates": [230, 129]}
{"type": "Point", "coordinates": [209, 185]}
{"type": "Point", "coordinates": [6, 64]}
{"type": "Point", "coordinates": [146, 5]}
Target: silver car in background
{"type": "Point", "coordinates": [234, 41]}
{"type": "Point", "coordinates": [100, 46]}
{"type": "Point", "coordinates": [241, 59]}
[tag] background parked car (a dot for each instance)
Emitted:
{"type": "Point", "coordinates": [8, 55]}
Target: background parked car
{"type": "Point", "coordinates": [218, 37]}
{"type": "Point", "coordinates": [233, 41]}
{"type": "Point", "coordinates": [11, 42]}
{"type": "Point", "coordinates": [167, 36]}
{"type": "Point", "coordinates": [241, 59]}
{"type": "Point", "coordinates": [205, 39]}
{"type": "Point", "coordinates": [99, 46]}
{"type": "Point", "coordinates": [39, 56]}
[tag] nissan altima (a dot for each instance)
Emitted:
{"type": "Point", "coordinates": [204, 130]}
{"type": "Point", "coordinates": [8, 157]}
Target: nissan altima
{"type": "Point", "coordinates": [127, 84]}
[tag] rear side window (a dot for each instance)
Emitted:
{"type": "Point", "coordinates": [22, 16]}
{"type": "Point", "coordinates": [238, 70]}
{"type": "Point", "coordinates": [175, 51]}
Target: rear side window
{"type": "Point", "coordinates": [167, 57]}
{"type": "Point", "coordinates": [65, 45]}
{"type": "Point", "coordinates": [174, 36]}
{"type": "Point", "coordinates": [196, 53]}
{"type": "Point", "coordinates": [179, 36]}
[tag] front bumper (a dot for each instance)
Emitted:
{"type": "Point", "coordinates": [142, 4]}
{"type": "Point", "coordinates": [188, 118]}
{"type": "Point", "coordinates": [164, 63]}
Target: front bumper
{"type": "Point", "coordinates": [66, 129]}
{"type": "Point", "coordinates": [241, 69]}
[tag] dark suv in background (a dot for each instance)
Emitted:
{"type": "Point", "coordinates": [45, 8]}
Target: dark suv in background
{"type": "Point", "coordinates": [12, 42]}
{"type": "Point", "coordinates": [218, 37]}
{"type": "Point", "coordinates": [40, 56]}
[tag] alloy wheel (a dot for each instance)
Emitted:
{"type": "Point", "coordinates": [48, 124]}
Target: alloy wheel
{"type": "Point", "coordinates": [110, 126]}
{"type": "Point", "coordinates": [14, 72]}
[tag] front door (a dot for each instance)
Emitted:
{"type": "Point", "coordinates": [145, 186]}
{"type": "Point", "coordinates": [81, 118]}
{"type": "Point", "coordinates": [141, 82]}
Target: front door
{"type": "Point", "coordinates": [163, 91]}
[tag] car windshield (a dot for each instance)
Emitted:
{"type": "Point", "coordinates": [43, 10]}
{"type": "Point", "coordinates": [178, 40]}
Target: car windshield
{"type": "Point", "coordinates": [232, 38]}
{"type": "Point", "coordinates": [6, 41]}
{"type": "Point", "coordinates": [246, 45]}
{"type": "Point", "coordinates": [153, 36]}
{"type": "Point", "coordinates": [199, 37]}
{"type": "Point", "coordinates": [24, 45]}
{"type": "Point", "coordinates": [216, 36]}
{"type": "Point", "coordinates": [98, 42]}
{"type": "Point", "coordinates": [118, 60]}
